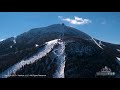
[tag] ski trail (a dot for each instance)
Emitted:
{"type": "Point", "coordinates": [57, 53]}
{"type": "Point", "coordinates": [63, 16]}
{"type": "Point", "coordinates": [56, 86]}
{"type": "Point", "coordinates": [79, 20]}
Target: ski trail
{"type": "Point", "coordinates": [118, 60]}
{"type": "Point", "coordinates": [97, 43]}
{"type": "Point", "coordinates": [100, 43]}
{"type": "Point", "coordinates": [59, 73]}
{"type": "Point", "coordinates": [118, 50]}
{"type": "Point", "coordinates": [32, 59]}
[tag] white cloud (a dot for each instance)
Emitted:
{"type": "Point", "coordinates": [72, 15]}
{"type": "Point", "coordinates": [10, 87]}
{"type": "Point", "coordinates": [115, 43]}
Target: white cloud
{"type": "Point", "coordinates": [77, 18]}
{"type": "Point", "coordinates": [76, 21]}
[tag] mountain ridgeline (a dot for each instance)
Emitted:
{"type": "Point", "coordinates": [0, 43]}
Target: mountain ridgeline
{"type": "Point", "coordinates": [58, 51]}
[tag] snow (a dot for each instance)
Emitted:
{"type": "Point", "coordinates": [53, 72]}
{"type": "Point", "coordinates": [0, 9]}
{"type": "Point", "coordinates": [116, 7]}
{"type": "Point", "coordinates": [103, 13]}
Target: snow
{"type": "Point", "coordinates": [97, 43]}
{"type": "Point", "coordinates": [118, 50]}
{"type": "Point", "coordinates": [12, 70]}
{"type": "Point", "coordinates": [14, 41]}
{"type": "Point", "coordinates": [100, 43]}
{"type": "Point", "coordinates": [59, 52]}
{"type": "Point", "coordinates": [118, 60]}
{"type": "Point", "coordinates": [10, 46]}
{"type": "Point", "coordinates": [52, 42]}
{"type": "Point", "coordinates": [2, 40]}
{"type": "Point", "coordinates": [36, 45]}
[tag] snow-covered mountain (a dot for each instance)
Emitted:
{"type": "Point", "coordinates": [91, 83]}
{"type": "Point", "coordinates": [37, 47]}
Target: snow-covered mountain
{"type": "Point", "coordinates": [57, 51]}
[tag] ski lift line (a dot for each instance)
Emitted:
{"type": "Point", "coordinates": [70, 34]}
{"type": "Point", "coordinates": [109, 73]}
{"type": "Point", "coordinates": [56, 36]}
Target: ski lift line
{"type": "Point", "coordinates": [62, 31]}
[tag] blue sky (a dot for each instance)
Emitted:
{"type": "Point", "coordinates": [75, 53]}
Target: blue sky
{"type": "Point", "coordinates": [101, 25]}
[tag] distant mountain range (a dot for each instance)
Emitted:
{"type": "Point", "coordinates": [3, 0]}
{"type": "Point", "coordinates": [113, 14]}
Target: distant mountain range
{"type": "Point", "coordinates": [58, 51]}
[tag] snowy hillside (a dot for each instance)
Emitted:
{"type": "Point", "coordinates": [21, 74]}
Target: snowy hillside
{"type": "Point", "coordinates": [57, 51]}
{"type": "Point", "coordinates": [41, 53]}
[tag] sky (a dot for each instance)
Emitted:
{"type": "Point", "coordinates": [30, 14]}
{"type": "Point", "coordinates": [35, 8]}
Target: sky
{"type": "Point", "coordinates": [104, 26]}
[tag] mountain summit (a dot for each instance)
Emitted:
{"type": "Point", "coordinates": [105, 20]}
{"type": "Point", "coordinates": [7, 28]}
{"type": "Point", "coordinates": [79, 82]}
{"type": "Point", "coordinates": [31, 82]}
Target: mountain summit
{"type": "Point", "coordinates": [57, 51]}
